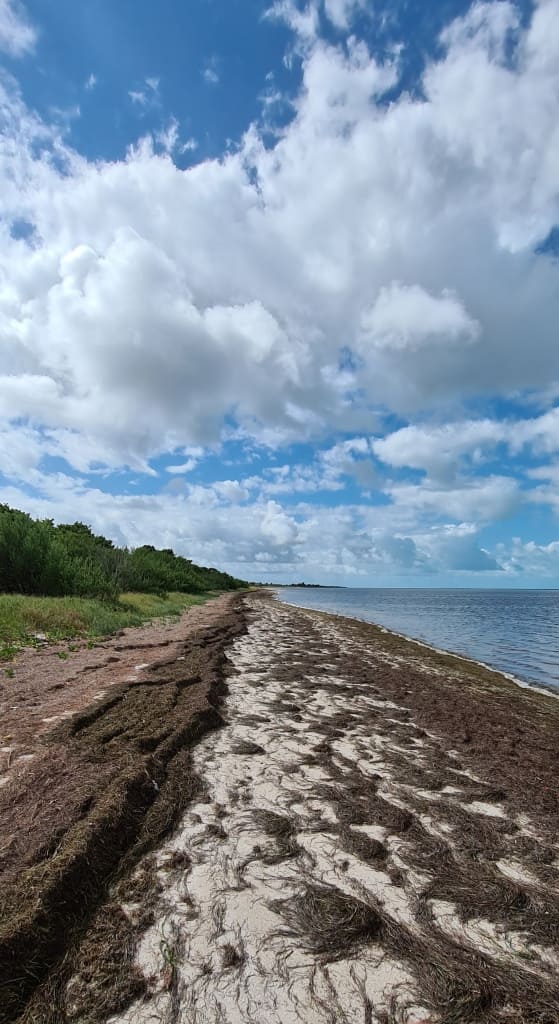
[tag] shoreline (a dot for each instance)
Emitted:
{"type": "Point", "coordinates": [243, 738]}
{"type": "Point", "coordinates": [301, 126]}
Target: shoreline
{"type": "Point", "coordinates": [357, 848]}
{"type": "Point", "coordinates": [364, 823]}
{"type": "Point", "coordinates": [99, 779]}
{"type": "Point", "coordinates": [537, 687]}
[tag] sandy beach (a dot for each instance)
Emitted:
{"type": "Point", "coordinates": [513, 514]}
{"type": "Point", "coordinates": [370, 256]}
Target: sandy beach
{"type": "Point", "coordinates": [279, 816]}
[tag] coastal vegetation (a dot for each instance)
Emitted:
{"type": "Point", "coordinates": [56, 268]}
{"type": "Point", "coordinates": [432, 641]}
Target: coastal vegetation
{"type": "Point", "coordinates": [30, 621]}
{"type": "Point", "coordinates": [62, 581]}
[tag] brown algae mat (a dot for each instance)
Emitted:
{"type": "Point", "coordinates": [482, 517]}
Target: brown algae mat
{"type": "Point", "coordinates": [97, 769]}
{"type": "Point", "coordinates": [371, 835]}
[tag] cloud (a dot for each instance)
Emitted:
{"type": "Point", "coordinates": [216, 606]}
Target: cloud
{"type": "Point", "coordinates": [210, 72]}
{"type": "Point", "coordinates": [148, 95]}
{"type": "Point", "coordinates": [442, 549]}
{"type": "Point", "coordinates": [183, 467]}
{"type": "Point", "coordinates": [303, 21]}
{"type": "Point", "coordinates": [331, 221]}
{"type": "Point", "coordinates": [21, 451]}
{"type": "Point", "coordinates": [440, 450]}
{"type": "Point", "coordinates": [373, 264]}
{"type": "Point", "coordinates": [463, 554]}
{"type": "Point", "coordinates": [341, 12]}
{"type": "Point", "coordinates": [63, 117]}
{"type": "Point", "coordinates": [350, 458]}
{"type": "Point", "coordinates": [17, 35]}
{"type": "Point", "coordinates": [483, 500]}
{"type": "Point", "coordinates": [400, 551]}
{"type": "Point", "coordinates": [329, 471]}
{"type": "Point", "coordinates": [530, 558]}
{"type": "Point", "coordinates": [443, 451]}
{"type": "Point", "coordinates": [279, 528]}
{"type": "Point", "coordinates": [168, 137]}
{"type": "Point", "coordinates": [231, 491]}
{"type": "Point", "coordinates": [408, 317]}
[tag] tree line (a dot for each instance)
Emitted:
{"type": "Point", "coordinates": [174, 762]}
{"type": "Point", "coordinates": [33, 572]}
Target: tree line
{"type": "Point", "coordinates": [37, 557]}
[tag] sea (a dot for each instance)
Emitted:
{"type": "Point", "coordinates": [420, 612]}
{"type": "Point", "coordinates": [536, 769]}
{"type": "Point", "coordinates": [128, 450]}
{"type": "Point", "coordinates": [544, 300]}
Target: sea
{"type": "Point", "coordinates": [515, 631]}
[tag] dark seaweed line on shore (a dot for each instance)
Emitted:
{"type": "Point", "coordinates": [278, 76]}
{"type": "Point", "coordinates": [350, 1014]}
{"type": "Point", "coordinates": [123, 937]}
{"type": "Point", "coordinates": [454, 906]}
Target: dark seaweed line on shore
{"type": "Point", "coordinates": [509, 731]}
{"type": "Point", "coordinates": [135, 739]}
{"type": "Point", "coordinates": [466, 661]}
{"type": "Point", "coordinates": [462, 705]}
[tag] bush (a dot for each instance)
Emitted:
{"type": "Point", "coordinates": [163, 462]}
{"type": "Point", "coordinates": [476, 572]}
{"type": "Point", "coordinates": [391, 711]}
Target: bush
{"type": "Point", "coordinates": [37, 557]}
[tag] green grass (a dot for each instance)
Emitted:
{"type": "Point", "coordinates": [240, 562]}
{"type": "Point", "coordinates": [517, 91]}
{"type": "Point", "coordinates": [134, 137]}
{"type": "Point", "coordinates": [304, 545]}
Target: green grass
{"type": "Point", "coordinates": [65, 618]}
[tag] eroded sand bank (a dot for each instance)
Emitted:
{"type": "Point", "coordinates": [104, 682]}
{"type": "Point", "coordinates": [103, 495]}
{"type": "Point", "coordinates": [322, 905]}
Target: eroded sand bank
{"type": "Point", "coordinates": [98, 769]}
{"type": "Point", "coordinates": [374, 840]}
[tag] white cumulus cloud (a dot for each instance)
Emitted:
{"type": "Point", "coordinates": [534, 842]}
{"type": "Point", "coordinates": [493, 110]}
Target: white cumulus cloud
{"type": "Point", "coordinates": [408, 317]}
{"type": "Point", "coordinates": [393, 232]}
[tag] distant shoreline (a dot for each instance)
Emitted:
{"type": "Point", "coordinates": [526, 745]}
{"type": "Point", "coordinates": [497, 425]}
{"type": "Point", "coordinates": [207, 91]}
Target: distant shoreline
{"type": "Point", "coordinates": [302, 586]}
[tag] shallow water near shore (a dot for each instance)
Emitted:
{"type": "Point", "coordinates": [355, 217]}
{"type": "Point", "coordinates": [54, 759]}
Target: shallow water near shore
{"type": "Point", "coordinates": [516, 631]}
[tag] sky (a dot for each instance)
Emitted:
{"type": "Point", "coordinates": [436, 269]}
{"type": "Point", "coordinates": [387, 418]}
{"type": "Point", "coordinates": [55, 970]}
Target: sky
{"type": "Point", "coordinates": [279, 283]}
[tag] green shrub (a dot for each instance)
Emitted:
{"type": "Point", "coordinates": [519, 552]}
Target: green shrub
{"type": "Point", "coordinates": [37, 557]}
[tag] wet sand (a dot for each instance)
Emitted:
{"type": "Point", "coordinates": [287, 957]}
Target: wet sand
{"type": "Point", "coordinates": [371, 836]}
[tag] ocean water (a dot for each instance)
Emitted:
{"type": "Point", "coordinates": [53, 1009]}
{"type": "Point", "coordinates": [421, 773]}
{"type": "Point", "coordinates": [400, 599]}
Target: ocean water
{"type": "Point", "coordinates": [516, 631]}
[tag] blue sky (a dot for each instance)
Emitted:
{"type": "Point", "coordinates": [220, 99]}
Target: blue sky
{"type": "Point", "coordinates": [279, 283]}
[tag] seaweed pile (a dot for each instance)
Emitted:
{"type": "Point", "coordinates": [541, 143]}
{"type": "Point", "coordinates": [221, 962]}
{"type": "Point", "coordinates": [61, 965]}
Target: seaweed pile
{"type": "Point", "coordinates": [106, 786]}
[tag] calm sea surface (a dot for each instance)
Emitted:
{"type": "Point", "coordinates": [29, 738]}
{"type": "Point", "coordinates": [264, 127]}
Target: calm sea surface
{"type": "Point", "coordinates": [516, 631]}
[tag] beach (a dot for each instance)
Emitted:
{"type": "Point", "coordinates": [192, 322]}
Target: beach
{"type": "Point", "coordinates": [278, 815]}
